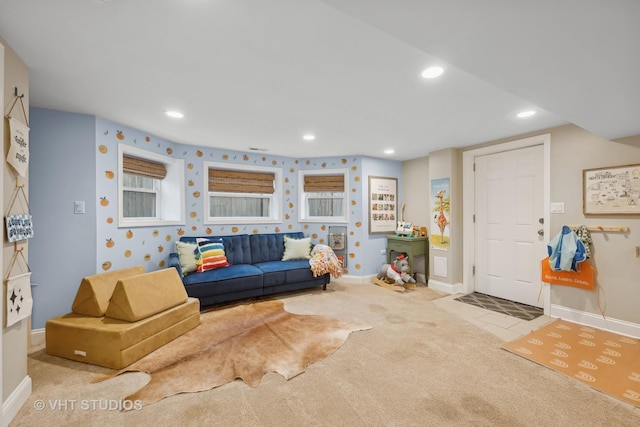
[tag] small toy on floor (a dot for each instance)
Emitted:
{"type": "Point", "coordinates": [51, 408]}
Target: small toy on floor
{"type": "Point", "coordinates": [396, 274]}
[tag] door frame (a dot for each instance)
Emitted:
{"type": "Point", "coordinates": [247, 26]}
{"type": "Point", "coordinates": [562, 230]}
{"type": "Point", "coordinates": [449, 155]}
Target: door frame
{"type": "Point", "coordinates": [2, 172]}
{"type": "Point", "coordinates": [469, 202]}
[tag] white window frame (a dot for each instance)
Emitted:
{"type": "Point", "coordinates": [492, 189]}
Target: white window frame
{"type": "Point", "coordinates": [303, 198]}
{"type": "Point", "coordinates": [155, 190]}
{"type": "Point", "coordinates": [170, 191]}
{"type": "Point", "coordinates": [275, 206]}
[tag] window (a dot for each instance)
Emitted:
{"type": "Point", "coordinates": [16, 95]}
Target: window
{"type": "Point", "coordinates": [141, 182]}
{"type": "Point", "coordinates": [151, 190]}
{"type": "Point", "coordinates": [242, 195]}
{"type": "Point", "coordinates": [323, 197]}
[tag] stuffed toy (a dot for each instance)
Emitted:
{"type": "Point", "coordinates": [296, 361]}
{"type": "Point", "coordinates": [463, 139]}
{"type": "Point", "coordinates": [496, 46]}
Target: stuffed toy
{"type": "Point", "coordinates": [398, 272]}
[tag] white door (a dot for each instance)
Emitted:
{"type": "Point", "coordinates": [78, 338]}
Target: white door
{"type": "Point", "coordinates": [509, 207]}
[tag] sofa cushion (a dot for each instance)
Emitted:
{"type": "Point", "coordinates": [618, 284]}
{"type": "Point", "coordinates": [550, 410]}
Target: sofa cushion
{"type": "Point", "coordinates": [236, 247]}
{"type": "Point", "coordinates": [92, 298]}
{"type": "Point", "coordinates": [296, 248]}
{"type": "Point", "coordinates": [220, 274]}
{"type": "Point", "coordinates": [187, 256]}
{"type": "Point", "coordinates": [269, 246]}
{"type": "Point", "coordinates": [273, 266]}
{"type": "Point", "coordinates": [274, 272]}
{"type": "Point", "coordinates": [299, 275]}
{"type": "Point", "coordinates": [282, 272]}
{"type": "Point", "coordinates": [137, 297]}
{"type": "Point", "coordinates": [210, 254]}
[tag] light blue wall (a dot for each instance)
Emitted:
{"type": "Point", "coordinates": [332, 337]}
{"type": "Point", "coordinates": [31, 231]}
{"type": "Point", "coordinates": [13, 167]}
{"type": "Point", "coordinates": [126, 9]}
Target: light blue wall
{"type": "Point", "coordinates": [375, 244]}
{"type": "Point", "coordinates": [61, 171]}
{"type": "Point", "coordinates": [150, 246]}
{"type": "Point", "coordinates": [85, 150]}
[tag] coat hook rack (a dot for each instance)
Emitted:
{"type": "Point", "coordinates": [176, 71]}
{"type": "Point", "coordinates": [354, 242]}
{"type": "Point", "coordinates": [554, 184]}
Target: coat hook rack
{"type": "Point", "coordinates": [603, 228]}
{"type": "Point", "coordinates": [18, 97]}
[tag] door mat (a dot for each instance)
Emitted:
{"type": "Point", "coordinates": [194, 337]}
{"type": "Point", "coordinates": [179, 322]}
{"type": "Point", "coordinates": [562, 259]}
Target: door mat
{"type": "Point", "coordinates": [503, 306]}
{"type": "Point", "coordinates": [603, 360]}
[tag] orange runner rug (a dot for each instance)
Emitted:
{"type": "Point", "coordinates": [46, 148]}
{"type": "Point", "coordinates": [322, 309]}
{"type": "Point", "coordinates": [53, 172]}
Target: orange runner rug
{"type": "Point", "coordinates": [603, 360]}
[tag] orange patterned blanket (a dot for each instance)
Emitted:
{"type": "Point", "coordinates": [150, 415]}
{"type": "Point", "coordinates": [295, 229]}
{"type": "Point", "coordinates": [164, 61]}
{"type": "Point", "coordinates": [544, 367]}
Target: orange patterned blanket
{"type": "Point", "coordinates": [324, 260]}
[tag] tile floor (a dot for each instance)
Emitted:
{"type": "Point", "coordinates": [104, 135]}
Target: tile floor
{"type": "Point", "coordinates": [507, 328]}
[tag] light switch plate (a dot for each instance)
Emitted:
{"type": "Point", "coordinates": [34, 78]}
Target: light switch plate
{"type": "Point", "coordinates": [557, 208]}
{"type": "Point", "coordinates": [78, 207]}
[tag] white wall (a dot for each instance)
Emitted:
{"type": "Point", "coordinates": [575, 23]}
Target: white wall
{"type": "Point", "coordinates": [16, 384]}
{"type": "Point", "coordinates": [614, 254]}
{"type": "Point", "coordinates": [415, 191]}
{"type": "Point", "coordinates": [614, 305]}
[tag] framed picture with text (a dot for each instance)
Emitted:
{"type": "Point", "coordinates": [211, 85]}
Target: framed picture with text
{"type": "Point", "coordinates": [613, 190]}
{"type": "Point", "coordinates": [383, 204]}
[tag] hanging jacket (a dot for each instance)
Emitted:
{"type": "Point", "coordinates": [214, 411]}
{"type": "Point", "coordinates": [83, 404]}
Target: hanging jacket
{"type": "Point", "coordinates": [585, 235]}
{"type": "Point", "coordinates": [566, 250]}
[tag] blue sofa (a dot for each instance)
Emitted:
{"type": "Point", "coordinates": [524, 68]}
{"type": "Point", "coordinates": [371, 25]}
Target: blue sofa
{"type": "Point", "coordinates": [256, 270]}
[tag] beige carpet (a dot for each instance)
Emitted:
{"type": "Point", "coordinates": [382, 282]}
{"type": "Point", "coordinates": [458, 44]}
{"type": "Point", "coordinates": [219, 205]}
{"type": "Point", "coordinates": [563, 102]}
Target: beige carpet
{"type": "Point", "coordinates": [241, 342]}
{"type": "Point", "coordinates": [419, 365]}
{"type": "Point", "coordinates": [603, 360]}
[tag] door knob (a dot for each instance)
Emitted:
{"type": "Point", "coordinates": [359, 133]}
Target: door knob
{"type": "Point", "coordinates": [541, 232]}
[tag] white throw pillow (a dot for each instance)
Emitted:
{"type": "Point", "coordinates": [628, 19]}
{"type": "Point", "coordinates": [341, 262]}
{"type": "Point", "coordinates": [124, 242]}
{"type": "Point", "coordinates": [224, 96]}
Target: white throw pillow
{"type": "Point", "coordinates": [296, 248]}
{"type": "Point", "coordinates": [187, 256]}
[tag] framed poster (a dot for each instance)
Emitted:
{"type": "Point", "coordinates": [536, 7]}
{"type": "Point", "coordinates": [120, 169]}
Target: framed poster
{"type": "Point", "coordinates": [612, 190]}
{"type": "Point", "coordinates": [441, 208]}
{"type": "Point", "coordinates": [383, 204]}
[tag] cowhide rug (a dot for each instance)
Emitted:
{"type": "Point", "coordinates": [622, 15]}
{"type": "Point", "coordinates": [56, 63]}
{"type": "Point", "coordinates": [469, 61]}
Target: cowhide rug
{"type": "Point", "coordinates": [245, 342]}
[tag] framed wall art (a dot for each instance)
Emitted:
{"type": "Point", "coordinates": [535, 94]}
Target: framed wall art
{"type": "Point", "coordinates": [441, 208]}
{"type": "Point", "coordinates": [613, 190]}
{"type": "Point", "coordinates": [383, 204]}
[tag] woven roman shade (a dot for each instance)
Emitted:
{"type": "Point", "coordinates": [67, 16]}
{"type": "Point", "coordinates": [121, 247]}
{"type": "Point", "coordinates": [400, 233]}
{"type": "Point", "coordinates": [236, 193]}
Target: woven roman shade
{"type": "Point", "coordinates": [233, 181]}
{"type": "Point", "coordinates": [323, 183]}
{"type": "Point", "coordinates": [144, 167]}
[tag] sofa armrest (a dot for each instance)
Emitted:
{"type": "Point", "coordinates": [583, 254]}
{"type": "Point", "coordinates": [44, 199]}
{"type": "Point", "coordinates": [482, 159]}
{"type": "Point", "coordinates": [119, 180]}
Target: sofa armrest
{"type": "Point", "coordinates": [175, 262]}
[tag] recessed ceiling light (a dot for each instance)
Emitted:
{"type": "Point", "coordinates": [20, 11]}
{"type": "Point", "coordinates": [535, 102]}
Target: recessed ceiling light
{"type": "Point", "coordinates": [524, 114]}
{"type": "Point", "coordinates": [174, 114]}
{"type": "Point", "coordinates": [432, 72]}
{"type": "Point", "coordinates": [389, 151]}
{"type": "Point", "coordinates": [309, 137]}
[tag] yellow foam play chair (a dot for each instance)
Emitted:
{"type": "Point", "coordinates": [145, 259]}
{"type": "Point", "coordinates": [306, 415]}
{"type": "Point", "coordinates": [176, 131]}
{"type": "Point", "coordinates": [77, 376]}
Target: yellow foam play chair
{"type": "Point", "coordinates": [121, 316]}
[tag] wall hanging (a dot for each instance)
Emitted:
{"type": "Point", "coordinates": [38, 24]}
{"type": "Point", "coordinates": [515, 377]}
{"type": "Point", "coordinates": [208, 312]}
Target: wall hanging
{"type": "Point", "coordinates": [383, 204]}
{"type": "Point", "coordinates": [613, 190]}
{"type": "Point", "coordinates": [441, 208]}
{"type": "Point", "coordinates": [19, 226]}
{"type": "Point", "coordinates": [18, 155]}
{"type": "Point", "coordinates": [19, 299]}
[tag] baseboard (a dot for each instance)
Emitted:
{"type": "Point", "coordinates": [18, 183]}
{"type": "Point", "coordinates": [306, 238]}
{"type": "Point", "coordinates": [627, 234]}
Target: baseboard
{"type": "Point", "coordinates": [434, 284]}
{"type": "Point", "coordinates": [37, 340]}
{"type": "Point", "coordinates": [596, 321]}
{"type": "Point", "coordinates": [16, 399]}
{"type": "Point", "coordinates": [450, 288]}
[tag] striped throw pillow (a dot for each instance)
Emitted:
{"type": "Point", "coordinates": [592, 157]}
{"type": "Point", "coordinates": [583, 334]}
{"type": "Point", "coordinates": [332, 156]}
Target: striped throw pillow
{"type": "Point", "coordinates": [210, 254]}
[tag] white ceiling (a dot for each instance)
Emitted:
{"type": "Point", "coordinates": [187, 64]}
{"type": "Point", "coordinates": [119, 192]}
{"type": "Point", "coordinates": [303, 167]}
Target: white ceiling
{"type": "Point", "coordinates": [260, 74]}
